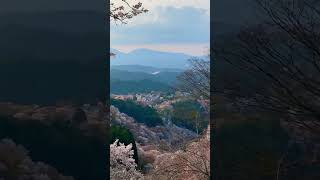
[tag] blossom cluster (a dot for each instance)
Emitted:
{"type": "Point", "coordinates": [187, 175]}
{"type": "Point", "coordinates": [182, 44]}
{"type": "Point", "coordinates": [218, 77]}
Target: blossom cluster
{"type": "Point", "coordinates": [122, 163]}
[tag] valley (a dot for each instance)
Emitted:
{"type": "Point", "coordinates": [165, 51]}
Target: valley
{"type": "Point", "coordinates": [146, 102]}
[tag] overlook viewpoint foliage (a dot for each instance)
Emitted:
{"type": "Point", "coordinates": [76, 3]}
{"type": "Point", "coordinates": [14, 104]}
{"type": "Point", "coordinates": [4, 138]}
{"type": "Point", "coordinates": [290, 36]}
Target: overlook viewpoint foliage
{"type": "Point", "coordinates": [143, 114]}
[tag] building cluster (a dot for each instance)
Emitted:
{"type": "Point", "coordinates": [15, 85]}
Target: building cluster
{"type": "Point", "coordinates": [147, 99]}
{"type": "Point", "coordinates": [160, 101]}
{"type": "Point", "coordinates": [123, 97]}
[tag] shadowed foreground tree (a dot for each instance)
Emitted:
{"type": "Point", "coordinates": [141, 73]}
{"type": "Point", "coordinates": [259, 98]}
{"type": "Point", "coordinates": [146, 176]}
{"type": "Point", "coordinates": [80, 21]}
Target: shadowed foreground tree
{"type": "Point", "coordinates": [284, 55]}
{"type": "Point", "coordinates": [196, 80]}
{"type": "Point", "coordinates": [281, 58]}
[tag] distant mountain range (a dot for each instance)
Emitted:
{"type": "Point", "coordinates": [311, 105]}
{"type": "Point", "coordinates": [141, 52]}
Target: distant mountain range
{"type": "Point", "coordinates": [145, 69]}
{"type": "Point", "coordinates": [146, 57]}
{"type": "Point", "coordinates": [155, 74]}
{"type": "Point", "coordinates": [137, 78]}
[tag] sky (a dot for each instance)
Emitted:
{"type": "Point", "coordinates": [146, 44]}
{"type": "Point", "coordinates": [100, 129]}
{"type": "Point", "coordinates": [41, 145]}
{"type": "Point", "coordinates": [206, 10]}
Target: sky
{"type": "Point", "coordinates": [170, 25]}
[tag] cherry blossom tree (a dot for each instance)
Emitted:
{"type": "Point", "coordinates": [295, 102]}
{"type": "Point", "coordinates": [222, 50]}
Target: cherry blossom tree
{"type": "Point", "coordinates": [192, 163]}
{"type": "Point", "coordinates": [122, 10]}
{"type": "Point", "coordinates": [122, 163]}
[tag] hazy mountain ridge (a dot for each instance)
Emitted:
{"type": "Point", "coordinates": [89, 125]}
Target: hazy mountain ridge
{"type": "Point", "coordinates": [139, 86]}
{"type": "Point", "coordinates": [135, 79]}
{"type": "Point", "coordinates": [147, 57]}
{"type": "Point", "coordinates": [160, 76]}
{"type": "Point", "coordinates": [145, 69]}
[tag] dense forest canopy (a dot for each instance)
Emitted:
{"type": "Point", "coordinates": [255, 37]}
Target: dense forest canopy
{"type": "Point", "coordinates": [142, 114]}
{"type": "Point", "coordinates": [189, 114]}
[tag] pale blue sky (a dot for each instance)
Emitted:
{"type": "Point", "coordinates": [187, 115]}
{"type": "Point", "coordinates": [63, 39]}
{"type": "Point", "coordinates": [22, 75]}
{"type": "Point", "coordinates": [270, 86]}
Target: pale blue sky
{"type": "Point", "coordinates": [178, 26]}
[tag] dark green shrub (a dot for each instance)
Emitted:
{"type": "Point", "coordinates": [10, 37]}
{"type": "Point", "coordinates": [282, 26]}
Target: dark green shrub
{"type": "Point", "coordinates": [184, 115]}
{"type": "Point", "coordinates": [142, 114]}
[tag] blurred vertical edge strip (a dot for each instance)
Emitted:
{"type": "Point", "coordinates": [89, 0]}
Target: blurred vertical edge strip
{"type": "Point", "coordinates": [213, 149]}
{"type": "Point", "coordinates": [53, 51]}
{"type": "Point", "coordinates": [107, 20]}
{"type": "Point", "coordinates": [18, 47]}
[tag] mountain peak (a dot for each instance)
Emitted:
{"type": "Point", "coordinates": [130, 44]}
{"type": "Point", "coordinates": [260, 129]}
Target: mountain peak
{"type": "Point", "coordinates": [148, 57]}
{"type": "Point", "coordinates": [146, 50]}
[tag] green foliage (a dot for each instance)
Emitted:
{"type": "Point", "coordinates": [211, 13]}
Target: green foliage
{"type": "Point", "coordinates": [138, 79]}
{"type": "Point", "coordinates": [185, 115]}
{"type": "Point", "coordinates": [249, 149]}
{"type": "Point", "coordinates": [142, 114]}
{"type": "Point", "coordinates": [137, 86]}
{"type": "Point", "coordinates": [61, 145]}
{"type": "Point", "coordinates": [125, 136]}
{"type": "Point", "coordinates": [144, 73]}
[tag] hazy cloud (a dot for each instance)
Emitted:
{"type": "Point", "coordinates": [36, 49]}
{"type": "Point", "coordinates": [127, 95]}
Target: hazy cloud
{"type": "Point", "coordinates": [167, 25]}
